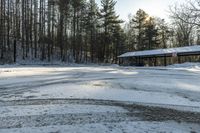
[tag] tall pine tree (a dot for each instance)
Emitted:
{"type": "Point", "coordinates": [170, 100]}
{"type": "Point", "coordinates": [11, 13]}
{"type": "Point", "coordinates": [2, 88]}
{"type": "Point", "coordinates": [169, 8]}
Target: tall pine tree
{"type": "Point", "coordinates": [109, 20]}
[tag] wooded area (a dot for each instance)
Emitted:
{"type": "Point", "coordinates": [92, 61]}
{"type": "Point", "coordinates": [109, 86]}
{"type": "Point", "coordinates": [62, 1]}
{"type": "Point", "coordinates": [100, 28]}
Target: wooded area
{"type": "Point", "coordinates": [80, 31]}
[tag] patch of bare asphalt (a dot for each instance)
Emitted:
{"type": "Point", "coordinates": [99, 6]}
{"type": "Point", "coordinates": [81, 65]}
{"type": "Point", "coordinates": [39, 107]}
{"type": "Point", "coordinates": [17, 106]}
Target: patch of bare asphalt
{"type": "Point", "coordinates": [135, 112]}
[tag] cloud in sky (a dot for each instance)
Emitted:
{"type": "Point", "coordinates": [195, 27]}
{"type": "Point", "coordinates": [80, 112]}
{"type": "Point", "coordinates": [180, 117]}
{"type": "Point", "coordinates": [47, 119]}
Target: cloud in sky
{"type": "Point", "coordinates": [157, 8]}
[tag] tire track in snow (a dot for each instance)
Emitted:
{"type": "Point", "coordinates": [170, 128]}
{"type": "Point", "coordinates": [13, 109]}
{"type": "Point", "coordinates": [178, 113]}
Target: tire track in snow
{"type": "Point", "coordinates": [63, 119]}
{"type": "Point", "coordinates": [135, 112]}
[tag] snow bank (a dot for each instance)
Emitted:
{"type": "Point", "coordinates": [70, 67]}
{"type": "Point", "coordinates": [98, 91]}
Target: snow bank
{"type": "Point", "coordinates": [187, 66]}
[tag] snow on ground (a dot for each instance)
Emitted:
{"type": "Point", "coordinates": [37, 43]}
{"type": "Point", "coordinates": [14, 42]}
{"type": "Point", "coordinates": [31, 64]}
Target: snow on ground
{"type": "Point", "coordinates": [53, 109]}
{"type": "Point", "coordinates": [162, 86]}
{"type": "Point", "coordinates": [122, 127]}
{"type": "Point", "coordinates": [187, 66]}
{"type": "Point", "coordinates": [175, 87]}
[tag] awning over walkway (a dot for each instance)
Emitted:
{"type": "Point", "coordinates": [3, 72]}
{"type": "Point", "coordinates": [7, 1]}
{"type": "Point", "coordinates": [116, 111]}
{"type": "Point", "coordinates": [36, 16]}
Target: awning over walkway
{"type": "Point", "coordinates": [181, 51]}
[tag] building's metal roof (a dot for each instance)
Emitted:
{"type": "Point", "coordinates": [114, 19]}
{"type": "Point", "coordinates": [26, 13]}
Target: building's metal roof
{"type": "Point", "coordinates": [164, 52]}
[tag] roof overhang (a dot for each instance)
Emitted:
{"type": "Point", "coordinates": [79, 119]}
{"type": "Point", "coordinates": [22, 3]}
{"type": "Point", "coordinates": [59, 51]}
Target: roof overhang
{"type": "Point", "coordinates": [180, 51]}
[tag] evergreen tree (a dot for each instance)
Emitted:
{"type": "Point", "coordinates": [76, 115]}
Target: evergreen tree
{"type": "Point", "coordinates": [92, 27]}
{"type": "Point", "coordinates": [139, 25]}
{"type": "Point", "coordinates": [109, 20]}
{"type": "Point", "coordinates": [151, 34]}
{"type": "Point", "coordinates": [118, 47]}
{"type": "Point", "coordinates": [163, 32]}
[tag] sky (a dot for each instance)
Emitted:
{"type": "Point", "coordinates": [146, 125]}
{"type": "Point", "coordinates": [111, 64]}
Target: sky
{"type": "Point", "coordinates": [158, 8]}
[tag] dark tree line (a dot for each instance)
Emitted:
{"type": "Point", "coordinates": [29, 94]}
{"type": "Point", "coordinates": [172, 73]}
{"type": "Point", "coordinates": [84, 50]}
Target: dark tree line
{"type": "Point", "coordinates": [66, 30]}
{"type": "Point", "coordinates": [80, 31]}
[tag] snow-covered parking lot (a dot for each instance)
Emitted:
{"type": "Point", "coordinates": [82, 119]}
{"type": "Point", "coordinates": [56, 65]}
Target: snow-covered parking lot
{"type": "Point", "coordinates": [100, 99]}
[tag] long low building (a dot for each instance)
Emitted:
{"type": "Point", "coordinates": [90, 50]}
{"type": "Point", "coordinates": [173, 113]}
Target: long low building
{"type": "Point", "coordinates": [170, 52]}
